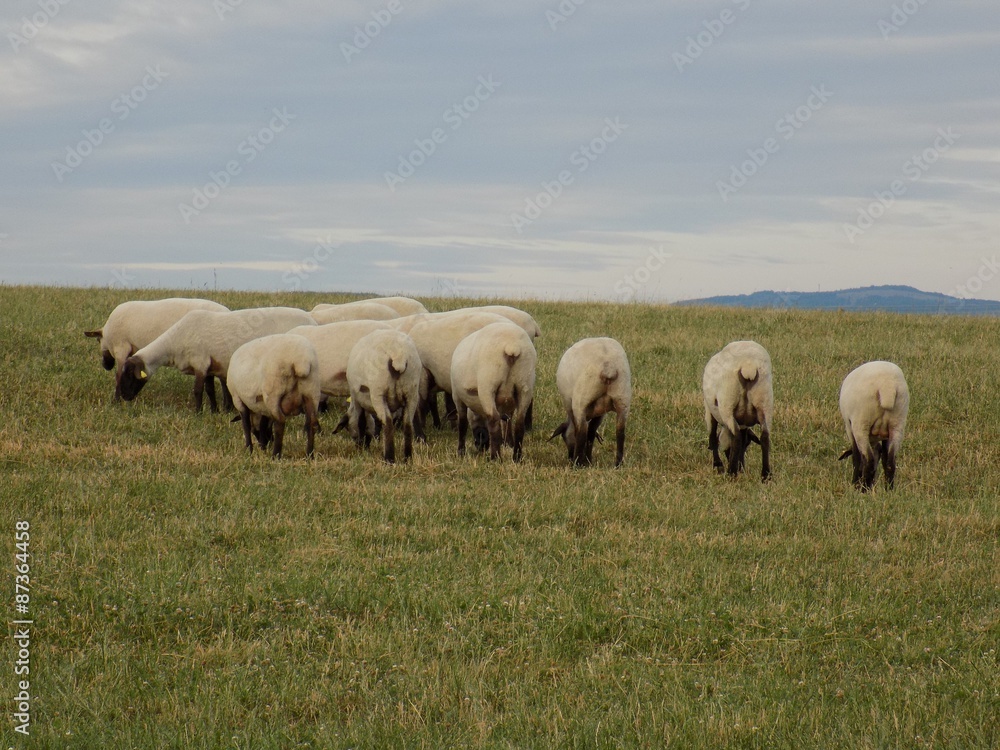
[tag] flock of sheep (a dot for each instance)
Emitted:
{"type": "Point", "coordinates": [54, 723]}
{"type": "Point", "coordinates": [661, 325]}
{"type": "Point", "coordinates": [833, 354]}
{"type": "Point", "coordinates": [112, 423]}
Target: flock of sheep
{"type": "Point", "coordinates": [390, 357]}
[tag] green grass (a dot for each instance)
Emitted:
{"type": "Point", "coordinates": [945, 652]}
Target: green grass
{"type": "Point", "coordinates": [187, 595]}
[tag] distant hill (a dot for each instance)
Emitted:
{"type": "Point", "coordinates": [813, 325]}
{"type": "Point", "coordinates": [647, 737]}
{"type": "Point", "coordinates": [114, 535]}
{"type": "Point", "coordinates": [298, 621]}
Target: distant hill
{"type": "Point", "coordinates": [900, 299]}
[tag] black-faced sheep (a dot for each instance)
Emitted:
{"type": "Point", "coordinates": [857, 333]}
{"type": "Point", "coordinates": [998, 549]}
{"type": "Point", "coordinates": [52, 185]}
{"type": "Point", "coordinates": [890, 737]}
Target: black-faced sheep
{"type": "Point", "coordinates": [202, 343]}
{"type": "Point", "coordinates": [874, 401]}
{"type": "Point", "coordinates": [493, 376]}
{"type": "Point", "coordinates": [271, 379]}
{"type": "Point", "coordinates": [593, 378]}
{"type": "Point", "coordinates": [738, 393]}
{"type": "Point", "coordinates": [134, 324]}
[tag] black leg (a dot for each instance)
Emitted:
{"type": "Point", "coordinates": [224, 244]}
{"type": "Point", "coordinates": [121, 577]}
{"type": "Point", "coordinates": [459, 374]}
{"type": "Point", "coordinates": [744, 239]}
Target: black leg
{"type": "Point", "coordinates": [765, 452]}
{"type": "Point", "coordinates": [210, 392]}
{"type": "Point", "coordinates": [620, 440]}
{"type": "Point", "coordinates": [493, 425]}
{"type": "Point", "coordinates": [199, 390]}
{"type": "Point", "coordinates": [463, 427]}
{"type": "Point", "coordinates": [245, 419]}
{"type": "Point", "coordinates": [736, 450]}
{"type": "Point", "coordinates": [389, 437]}
{"type": "Point", "coordinates": [279, 436]}
{"type": "Point", "coordinates": [518, 439]}
{"type": "Point", "coordinates": [713, 444]}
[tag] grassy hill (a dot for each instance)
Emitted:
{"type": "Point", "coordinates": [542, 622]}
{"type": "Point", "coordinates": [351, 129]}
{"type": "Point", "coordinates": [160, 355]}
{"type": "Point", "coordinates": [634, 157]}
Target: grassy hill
{"type": "Point", "coordinates": [186, 595]}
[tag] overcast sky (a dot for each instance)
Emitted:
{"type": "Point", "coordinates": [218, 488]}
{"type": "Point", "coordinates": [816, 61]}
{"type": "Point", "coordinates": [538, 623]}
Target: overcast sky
{"type": "Point", "coordinates": [582, 149]}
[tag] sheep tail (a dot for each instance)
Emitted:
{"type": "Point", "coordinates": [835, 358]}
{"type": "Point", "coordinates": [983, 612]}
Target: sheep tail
{"type": "Point", "coordinates": [301, 369]}
{"type": "Point", "coordinates": [609, 373]}
{"type": "Point", "coordinates": [887, 397]}
{"type": "Point", "coordinates": [749, 372]}
{"type": "Point", "coordinates": [511, 353]}
{"type": "Point", "coordinates": [397, 366]}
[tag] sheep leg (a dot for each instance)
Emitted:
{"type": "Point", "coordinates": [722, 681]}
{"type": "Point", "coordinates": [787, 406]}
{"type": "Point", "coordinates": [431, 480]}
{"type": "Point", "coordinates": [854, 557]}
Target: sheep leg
{"type": "Point", "coordinates": [312, 422]}
{"type": "Point", "coordinates": [279, 436]}
{"type": "Point", "coordinates": [519, 428]}
{"type": "Point", "coordinates": [765, 453]}
{"type": "Point", "coordinates": [227, 397]}
{"type": "Point", "coordinates": [620, 438]}
{"type": "Point", "coordinates": [493, 424]}
{"type": "Point", "coordinates": [388, 433]}
{"type": "Point", "coordinates": [245, 419]}
{"type": "Point", "coordinates": [578, 431]}
{"type": "Point", "coordinates": [529, 415]}
{"type": "Point", "coordinates": [199, 390]}
{"type": "Point", "coordinates": [463, 426]}
{"type": "Point", "coordinates": [736, 451]}
{"type": "Point", "coordinates": [450, 408]}
{"type": "Point", "coordinates": [118, 381]}
{"type": "Point", "coordinates": [595, 424]}
{"type": "Point", "coordinates": [264, 433]}
{"type": "Point", "coordinates": [713, 443]}
{"type": "Point", "coordinates": [408, 434]}
{"type": "Point", "coordinates": [431, 407]}
{"type": "Point", "coordinates": [210, 392]}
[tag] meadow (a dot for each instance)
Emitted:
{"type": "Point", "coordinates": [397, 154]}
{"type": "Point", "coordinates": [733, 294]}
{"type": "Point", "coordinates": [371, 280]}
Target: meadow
{"type": "Point", "coordinates": [185, 594]}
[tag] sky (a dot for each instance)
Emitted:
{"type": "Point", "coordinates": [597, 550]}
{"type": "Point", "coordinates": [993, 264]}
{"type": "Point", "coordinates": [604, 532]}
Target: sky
{"type": "Point", "coordinates": [573, 149]}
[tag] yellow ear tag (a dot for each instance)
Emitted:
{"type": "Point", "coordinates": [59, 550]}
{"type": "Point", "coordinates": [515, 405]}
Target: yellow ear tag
{"type": "Point", "coordinates": [143, 375]}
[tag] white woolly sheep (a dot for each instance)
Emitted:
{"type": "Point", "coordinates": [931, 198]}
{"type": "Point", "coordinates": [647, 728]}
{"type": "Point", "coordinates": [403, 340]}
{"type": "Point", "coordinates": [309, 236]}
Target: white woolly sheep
{"type": "Point", "coordinates": [271, 379]}
{"type": "Point", "coordinates": [334, 343]}
{"type": "Point", "coordinates": [436, 336]}
{"type": "Point", "coordinates": [513, 314]}
{"type": "Point", "coordinates": [874, 401]}
{"type": "Point", "coordinates": [738, 391]}
{"type": "Point", "coordinates": [493, 376]}
{"type": "Point", "coordinates": [202, 343]}
{"type": "Point", "coordinates": [324, 314]}
{"type": "Point", "coordinates": [402, 305]}
{"type": "Point", "coordinates": [593, 378]}
{"type": "Point", "coordinates": [134, 324]}
{"type": "Point", "coordinates": [383, 372]}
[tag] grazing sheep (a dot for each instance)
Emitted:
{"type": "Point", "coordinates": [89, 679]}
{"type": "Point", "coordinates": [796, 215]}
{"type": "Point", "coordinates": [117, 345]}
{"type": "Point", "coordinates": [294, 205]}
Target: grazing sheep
{"type": "Point", "coordinates": [738, 391]}
{"type": "Point", "coordinates": [202, 343]}
{"type": "Point", "coordinates": [493, 376]}
{"type": "Point", "coordinates": [334, 343]}
{"type": "Point", "coordinates": [383, 372]}
{"type": "Point", "coordinates": [436, 337]}
{"type": "Point", "coordinates": [352, 311]}
{"type": "Point", "coordinates": [874, 401]}
{"type": "Point", "coordinates": [593, 378]}
{"type": "Point", "coordinates": [513, 314]}
{"type": "Point", "coordinates": [402, 305]}
{"type": "Point", "coordinates": [134, 324]}
{"type": "Point", "coordinates": [273, 378]}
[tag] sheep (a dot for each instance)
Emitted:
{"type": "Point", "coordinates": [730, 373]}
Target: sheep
{"type": "Point", "coordinates": [383, 373]}
{"type": "Point", "coordinates": [402, 305]}
{"type": "Point", "coordinates": [593, 378]}
{"type": "Point", "coordinates": [874, 401]}
{"type": "Point", "coordinates": [738, 391]}
{"type": "Point", "coordinates": [493, 376]}
{"type": "Point", "coordinates": [324, 314]}
{"type": "Point", "coordinates": [334, 343]}
{"type": "Point", "coordinates": [272, 378]}
{"type": "Point", "coordinates": [202, 343]}
{"type": "Point", "coordinates": [436, 337]}
{"type": "Point", "coordinates": [513, 314]}
{"type": "Point", "coordinates": [134, 324]}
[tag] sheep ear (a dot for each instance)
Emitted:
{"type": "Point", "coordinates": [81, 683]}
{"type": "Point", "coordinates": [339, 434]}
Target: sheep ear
{"type": "Point", "coordinates": [344, 421]}
{"type": "Point", "coordinates": [94, 334]}
{"type": "Point", "coordinates": [560, 430]}
{"type": "Point", "coordinates": [845, 454]}
{"type": "Point", "coordinates": [752, 437]}
{"type": "Point", "coordinates": [237, 418]}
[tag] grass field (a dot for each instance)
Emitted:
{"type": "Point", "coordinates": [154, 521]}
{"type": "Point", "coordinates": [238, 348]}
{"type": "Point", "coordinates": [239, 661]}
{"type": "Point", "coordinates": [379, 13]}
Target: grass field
{"type": "Point", "coordinates": [186, 595]}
